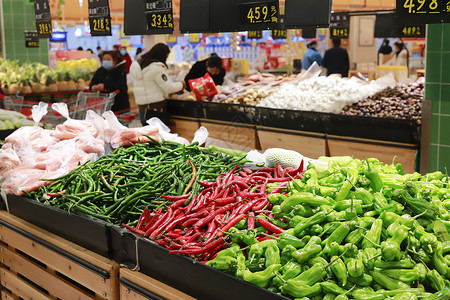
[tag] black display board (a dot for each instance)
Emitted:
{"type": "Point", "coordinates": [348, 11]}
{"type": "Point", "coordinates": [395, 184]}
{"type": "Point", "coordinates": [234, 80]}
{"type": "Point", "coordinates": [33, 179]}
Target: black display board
{"type": "Point", "coordinates": [43, 18]}
{"type": "Point", "coordinates": [386, 26]}
{"type": "Point", "coordinates": [159, 14]}
{"type": "Point", "coordinates": [424, 11]}
{"type": "Point", "coordinates": [340, 25]}
{"type": "Point", "coordinates": [31, 39]}
{"type": "Point", "coordinates": [301, 13]}
{"type": "Point", "coordinates": [254, 34]}
{"type": "Point", "coordinates": [243, 15]}
{"type": "Point", "coordinates": [99, 17]}
{"type": "Point", "coordinates": [309, 32]}
{"type": "Point", "coordinates": [135, 19]}
{"type": "Point", "coordinates": [194, 16]}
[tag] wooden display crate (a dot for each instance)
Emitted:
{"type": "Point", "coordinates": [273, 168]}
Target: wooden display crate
{"type": "Point", "coordinates": [236, 133]}
{"type": "Point", "coordinates": [36, 264]}
{"type": "Point", "coordinates": [184, 126]}
{"type": "Point", "coordinates": [384, 151]}
{"type": "Point", "coordinates": [136, 286]}
{"type": "Point", "coordinates": [308, 144]}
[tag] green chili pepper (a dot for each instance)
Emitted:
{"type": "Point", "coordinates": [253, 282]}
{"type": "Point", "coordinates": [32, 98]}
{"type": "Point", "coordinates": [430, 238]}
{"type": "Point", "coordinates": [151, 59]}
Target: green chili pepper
{"type": "Point", "coordinates": [375, 180]}
{"type": "Point", "coordinates": [296, 289]}
{"type": "Point", "coordinates": [355, 267]}
{"type": "Point", "coordinates": [339, 269]}
{"type": "Point", "coordinates": [311, 248]}
{"type": "Point", "coordinates": [315, 219]}
{"type": "Point", "coordinates": [332, 287]}
{"type": "Point", "coordinates": [435, 280]}
{"type": "Point", "coordinates": [303, 198]}
{"type": "Point", "coordinates": [364, 280]}
{"type": "Point", "coordinates": [261, 278]}
{"type": "Point", "coordinates": [373, 236]}
{"type": "Point", "coordinates": [419, 272]}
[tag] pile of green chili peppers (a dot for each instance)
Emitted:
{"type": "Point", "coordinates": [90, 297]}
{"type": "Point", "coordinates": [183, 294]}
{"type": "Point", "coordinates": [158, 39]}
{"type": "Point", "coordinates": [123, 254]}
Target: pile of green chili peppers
{"type": "Point", "coordinates": [355, 229]}
{"type": "Point", "coordinates": [117, 187]}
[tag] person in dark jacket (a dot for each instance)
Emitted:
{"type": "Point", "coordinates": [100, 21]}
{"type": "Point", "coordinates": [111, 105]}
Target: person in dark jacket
{"type": "Point", "coordinates": [112, 76]}
{"type": "Point", "coordinates": [336, 59]}
{"type": "Point", "coordinates": [213, 65]}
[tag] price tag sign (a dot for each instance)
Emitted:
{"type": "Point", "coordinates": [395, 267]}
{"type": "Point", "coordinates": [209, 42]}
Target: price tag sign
{"type": "Point", "coordinates": [279, 34]}
{"type": "Point", "coordinates": [339, 25]}
{"type": "Point", "coordinates": [43, 18]}
{"type": "Point", "coordinates": [427, 11]}
{"type": "Point", "coordinates": [254, 34]}
{"type": "Point", "coordinates": [342, 33]}
{"type": "Point", "coordinates": [259, 12]}
{"type": "Point", "coordinates": [31, 39]}
{"type": "Point", "coordinates": [159, 14]}
{"type": "Point", "coordinates": [412, 31]}
{"type": "Point", "coordinates": [194, 38]}
{"type": "Point", "coordinates": [99, 17]}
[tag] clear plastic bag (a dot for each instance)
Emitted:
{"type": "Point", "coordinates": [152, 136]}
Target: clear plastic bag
{"type": "Point", "coordinates": [71, 128]}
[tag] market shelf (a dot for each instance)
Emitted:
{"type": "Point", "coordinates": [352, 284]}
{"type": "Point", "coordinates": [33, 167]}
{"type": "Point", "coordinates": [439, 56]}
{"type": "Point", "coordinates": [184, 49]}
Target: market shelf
{"type": "Point", "coordinates": [86, 231]}
{"type": "Point", "coordinates": [385, 129]}
{"type": "Point", "coordinates": [39, 265]}
{"type": "Point", "coordinates": [135, 285]}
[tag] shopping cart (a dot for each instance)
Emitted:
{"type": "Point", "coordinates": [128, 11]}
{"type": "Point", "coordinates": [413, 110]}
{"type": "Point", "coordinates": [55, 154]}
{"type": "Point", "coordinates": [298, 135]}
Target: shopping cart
{"type": "Point", "coordinates": [17, 103]}
{"type": "Point", "coordinates": [78, 106]}
{"type": "Point", "coordinates": [98, 102]}
{"type": "Point", "coordinates": [128, 118]}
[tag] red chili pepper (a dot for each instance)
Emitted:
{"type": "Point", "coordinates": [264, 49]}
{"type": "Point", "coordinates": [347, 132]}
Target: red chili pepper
{"type": "Point", "coordinates": [194, 237]}
{"type": "Point", "coordinates": [229, 176]}
{"type": "Point", "coordinates": [175, 198]}
{"type": "Point", "coordinates": [190, 222]}
{"type": "Point", "coordinates": [264, 186]}
{"type": "Point", "coordinates": [241, 184]}
{"type": "Point", "coordinates": [206, 184]}
{"type": "Point", "coordinates": [270, 170]}
{"type": "Point", "coordinates": [280, 171]}
{"type": "Point", "coordinates": [159, 218]}
{"type": "Point", "coordinates": [230, 224]}
{"type": "Point", "coordinates": [251, 220]}
{"type": "Point", "coordinates": [205, 191]}
{"type": "Point", "coordinates": [145, 217]}
{"type": "Point", "coordinates": [190, 206]}
{"type": "Point", "coordinates": [298, 170]}
{"type": "Point", "coordinates": [225, 201]}
{"type": "Point", "coordinates": [245, 208]}
{"type": "Point", "coordinates": [261, 205]}
{"type": "Point", "coordinates": [204, 249]}
{"type": "Point", "coordinates": [243, 174]}
{"type": "Point", "coordinates": [262, 174]}
{"type": "Point", "coordinates": [200, 203]}
{"type": "Point", "coordinates": [247, 195]}
{"type": "Point", "coordinates": [279, 179]}
{"type": "Point", "coordinates": [194, 175]}
{"type": "Point", "coordinates": [211, 229]}
{"type": "Point", "coordinates": [279, 188]}
{"type": "Point", "coordinates": [247, 170]}
{"type": "Point", "coordinates": [269, 226]}
{"type": "Point", "coordinates": [134, 230]}
{"type": "Point", "coordinates": [160, 221]}
{"type": "Point", "coordinates": [211, 216]}
{"type": "Point", "coordinates": [58, 194]}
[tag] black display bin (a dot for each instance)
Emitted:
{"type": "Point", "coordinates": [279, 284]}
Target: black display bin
{"type": "Point", "coordinates": [194, 278]}
{"type": "Point", "coordinates": [236, 113]}
{"type": "Point", "coordinates": [293, 119]}
{"type": "Point", "coordinates": [384, 129]}
{"type": "Point", "coordinates": [192, 109]}
{"type": "Point", "coordinates": [5, 133]}
{"type": "Point", "coordinates": [85, 231]}
{"type": "Point", "coordinates": [122, 247]}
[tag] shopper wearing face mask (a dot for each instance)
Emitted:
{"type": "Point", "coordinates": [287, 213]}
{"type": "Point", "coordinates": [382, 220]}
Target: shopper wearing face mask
{"type": "Point", "coordinates": [111, 76]}
{"type": "Point", "coordinates": [126, 57]}
{"type": "Point", "coordinates": [213, 65]}
{"type": "Point", "coordinates": [311, 56]}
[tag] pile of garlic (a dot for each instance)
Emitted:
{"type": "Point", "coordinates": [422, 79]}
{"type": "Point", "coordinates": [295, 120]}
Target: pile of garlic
{"type": "Point", "coordinates": [323, 94]}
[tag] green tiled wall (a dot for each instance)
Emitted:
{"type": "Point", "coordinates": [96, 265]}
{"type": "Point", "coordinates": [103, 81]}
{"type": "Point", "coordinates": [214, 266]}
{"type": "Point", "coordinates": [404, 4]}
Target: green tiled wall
{"type": "Point", "coordinates": [18, 16]}
{"type": "Point", "coordinates": [437, 90]}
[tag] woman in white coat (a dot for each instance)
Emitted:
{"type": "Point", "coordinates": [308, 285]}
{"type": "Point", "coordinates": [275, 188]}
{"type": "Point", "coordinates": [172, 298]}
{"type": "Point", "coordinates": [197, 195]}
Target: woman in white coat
{"type": "Point", "coordinates": [400, 57]}
{"type": "Point", "coordinates": [151, 84]}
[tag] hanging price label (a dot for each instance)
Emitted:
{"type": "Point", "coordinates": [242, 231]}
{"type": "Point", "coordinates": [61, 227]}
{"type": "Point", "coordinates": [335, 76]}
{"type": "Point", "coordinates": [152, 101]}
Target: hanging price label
{"type": "Point", "coordinates": [31, 39]}
{"type": "Point", "coordinates": [194, 38]}
{"type": "Point", "coordinates": [43, 18]}
{"type": "Point", "coordinates": [260, 12]}
{"type": "Point", "coordinates": [429, 11]}
{"type": "Point", "coordinates": [412, 31]}
{"type": "Point", "coordinates": [279, 34]}
{"type": "Point", "coordinates": [99, 17]}
{"type": "Point", "coordinates": [342, 33]}
{"type": "Point", "coordinates": [159, 14]}
{"type": "Point", "coordinates": [254, 34]}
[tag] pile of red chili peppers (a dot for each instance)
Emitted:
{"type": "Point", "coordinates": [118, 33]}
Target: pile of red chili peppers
{"type": "Point", "coordinates": [198, 225]}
